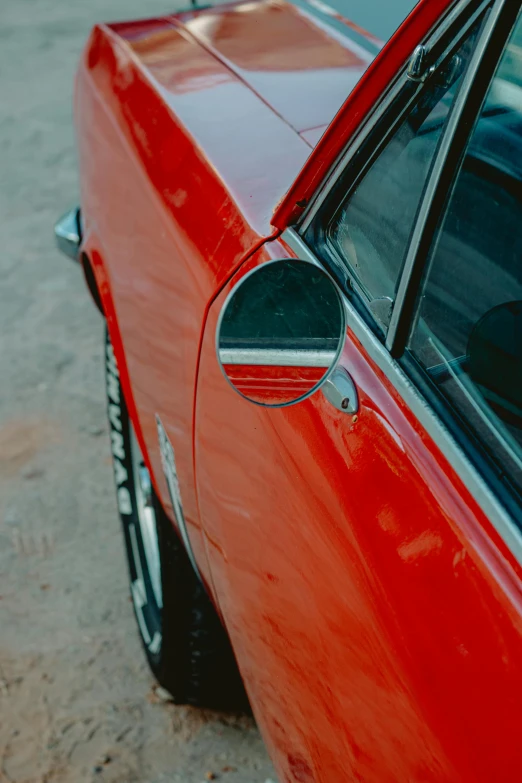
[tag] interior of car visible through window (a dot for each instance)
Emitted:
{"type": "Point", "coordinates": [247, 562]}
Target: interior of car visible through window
{"type": "Point", "coordinates": [468, 331]}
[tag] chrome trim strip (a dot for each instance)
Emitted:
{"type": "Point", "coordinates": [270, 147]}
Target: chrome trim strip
{"type": "Point", "coordinates": [440, 435]}
{"type": "Point", "coordinates": [340, 391]}
{"type": "Point", "coordinates": [171, 477]}
{"type": "Point", "coordinates": [277, 358]}
{"type": "Point", "coordinates": [67, 233]}
{"type": "Point", "coordinates": [385, 103]}
{"type": "Point", "coordinates": [413, 259]}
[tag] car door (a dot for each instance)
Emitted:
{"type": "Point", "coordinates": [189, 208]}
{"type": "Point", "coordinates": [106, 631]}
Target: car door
{"type": "Point", "coordinates": [367, 564]}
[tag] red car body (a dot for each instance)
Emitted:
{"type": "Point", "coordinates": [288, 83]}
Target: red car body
{"type": "Point", "coordinates": [374, 609]}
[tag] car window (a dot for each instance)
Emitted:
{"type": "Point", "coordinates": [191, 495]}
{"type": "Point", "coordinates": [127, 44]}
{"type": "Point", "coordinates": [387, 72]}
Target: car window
{"type": "Point", "coordinates": [370, 229]}
{"type": "Point", "coordinates": [467, 332]}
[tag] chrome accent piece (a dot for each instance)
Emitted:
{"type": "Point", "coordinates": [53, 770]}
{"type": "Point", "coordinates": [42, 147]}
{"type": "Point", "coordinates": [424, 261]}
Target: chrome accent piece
{"type": "Point", "coordinates": [381, 309]}
{"type": "Point", "coordinates": [418, 66]}
{"type": "Point", "coordinates": [145, 486]}
{"type": "Point", "coordinates": [171, 477]}
{"type": "Point", "coordinates": [340, 391]}
{"type": "Point", "coordinates": [139, 596]}
{"type": "Point", "coordinates": [440, 435]}
{"type": "Point", "coordinates": [277, 358]}
{"type": "Point", "coordinates": [67, 233]}
{"type": "Point", "coordinates": [387, 100]}
{"type": "Point", "coordinates": [146, 518]}
{"type": "Point", "coordinates": [413, 258]}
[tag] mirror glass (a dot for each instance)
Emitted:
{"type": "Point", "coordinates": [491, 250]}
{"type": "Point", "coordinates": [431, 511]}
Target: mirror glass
{"type": "Point", "coordinates": [495, 360]}
{"type": "Point", "coordinates": [281, 331]}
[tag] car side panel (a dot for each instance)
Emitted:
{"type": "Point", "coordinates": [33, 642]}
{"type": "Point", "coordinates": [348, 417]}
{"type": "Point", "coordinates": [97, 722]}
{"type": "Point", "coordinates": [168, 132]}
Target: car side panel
{"type": "Point", "coordinates": [173, 200]}
{"type": "Point", "coordinates": [375, 613]}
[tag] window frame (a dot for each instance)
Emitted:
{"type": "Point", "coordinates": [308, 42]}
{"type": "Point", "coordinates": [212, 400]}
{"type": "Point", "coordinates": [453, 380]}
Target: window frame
{"type": "Point", "coordinates": [447, 165]}
{"type": "Point", "coordinates": [444, 178]}
{"type": "Point", "coordinates": [354, 163]}
{"type": "Point", "coordinates": [463, 450]}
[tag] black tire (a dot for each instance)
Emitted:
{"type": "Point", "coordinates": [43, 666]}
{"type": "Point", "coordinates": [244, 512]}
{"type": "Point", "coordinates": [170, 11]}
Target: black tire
{"type": "Point", "coordinates": [187, 648]}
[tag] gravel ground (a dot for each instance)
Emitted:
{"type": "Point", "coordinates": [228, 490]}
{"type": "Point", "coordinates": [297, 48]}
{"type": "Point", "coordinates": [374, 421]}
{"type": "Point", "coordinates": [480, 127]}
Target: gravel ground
{"type": "Point", "coordinates": [77, 702]}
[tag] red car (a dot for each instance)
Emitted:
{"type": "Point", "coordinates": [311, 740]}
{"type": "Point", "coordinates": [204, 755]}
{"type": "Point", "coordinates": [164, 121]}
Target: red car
{"type": "Point", "coordinates": [314, 370]}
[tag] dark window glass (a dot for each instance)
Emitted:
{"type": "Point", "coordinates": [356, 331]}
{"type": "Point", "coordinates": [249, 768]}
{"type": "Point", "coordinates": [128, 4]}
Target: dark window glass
{"type": "Point", "coordinates": [468, 329]}
{"type": "Point", "coordinates": [371, 229]}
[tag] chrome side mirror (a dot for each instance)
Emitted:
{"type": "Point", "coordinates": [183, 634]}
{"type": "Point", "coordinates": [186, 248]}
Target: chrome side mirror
{"type": "Point", "coordinates": [281, 332]}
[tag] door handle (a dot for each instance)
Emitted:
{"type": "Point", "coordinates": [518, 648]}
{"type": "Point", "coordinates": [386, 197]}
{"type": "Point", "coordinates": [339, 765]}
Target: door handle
{"type": "Point", "coordinates": [340, 391]}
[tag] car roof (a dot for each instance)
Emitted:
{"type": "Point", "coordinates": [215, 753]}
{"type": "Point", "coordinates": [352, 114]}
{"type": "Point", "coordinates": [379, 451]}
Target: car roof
{"type": "Point", "coordinates": [381, 18]}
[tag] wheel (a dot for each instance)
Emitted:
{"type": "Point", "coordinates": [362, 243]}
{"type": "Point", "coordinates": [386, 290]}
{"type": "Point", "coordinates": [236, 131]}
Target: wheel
{"type": "Point", "coordinates": [187, 648]}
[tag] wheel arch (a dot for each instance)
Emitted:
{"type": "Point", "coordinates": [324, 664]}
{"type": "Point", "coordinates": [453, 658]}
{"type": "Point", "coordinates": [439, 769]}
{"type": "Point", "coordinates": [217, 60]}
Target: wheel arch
{"type": "Point", "coordinates": [95, 272]}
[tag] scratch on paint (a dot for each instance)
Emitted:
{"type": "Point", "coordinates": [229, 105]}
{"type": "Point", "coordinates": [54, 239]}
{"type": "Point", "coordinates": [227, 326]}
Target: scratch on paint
{"type": "Point", "coordinates": [427, 543]}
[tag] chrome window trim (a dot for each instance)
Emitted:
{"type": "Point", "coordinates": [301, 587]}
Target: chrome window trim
{"type": "Point", "coordinates": [441, 436]}
{"type": "Point", "coordinates": [387, 99]}
{"type": "Point", "coordinates": [414, 255]}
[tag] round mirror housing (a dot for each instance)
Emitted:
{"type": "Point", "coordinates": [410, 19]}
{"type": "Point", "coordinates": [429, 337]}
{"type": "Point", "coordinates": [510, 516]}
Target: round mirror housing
{"type": "Point", "coordinates": [280, 333]}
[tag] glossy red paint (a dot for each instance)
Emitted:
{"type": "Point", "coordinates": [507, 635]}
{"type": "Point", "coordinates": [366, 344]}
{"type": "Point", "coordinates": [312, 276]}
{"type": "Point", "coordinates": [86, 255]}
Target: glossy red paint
{"type": "Point", "coordinates": [273, 385]}
{"type": "Point", "coordinates": [285, 55]}
{"type": "Point", "coordinates": [331, 12]}
{"type": "Point", "coordinates": [358, 105]}
{"type": "Point", "coordinates": [192, 161]}
{"type": "Point", "coordinates": [375, 614]}
{"type": "Point", "coordinates": [189, 198]}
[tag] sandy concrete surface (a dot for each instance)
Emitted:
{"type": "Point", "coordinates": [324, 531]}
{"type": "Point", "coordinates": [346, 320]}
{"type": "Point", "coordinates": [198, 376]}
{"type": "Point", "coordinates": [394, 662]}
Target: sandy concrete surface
{"type": "Point", "coordinates": [77, 702]}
